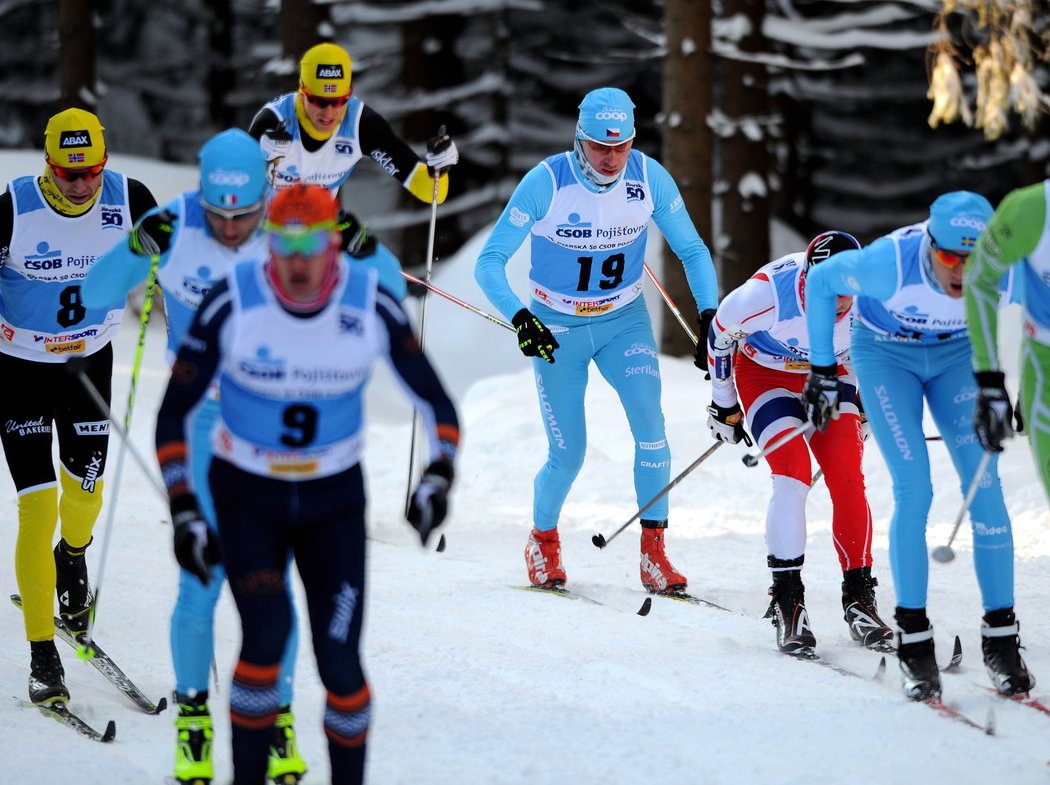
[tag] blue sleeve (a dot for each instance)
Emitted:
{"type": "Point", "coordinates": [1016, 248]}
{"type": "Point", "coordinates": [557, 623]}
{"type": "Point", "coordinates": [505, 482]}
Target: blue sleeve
{"type": "Point", "coordinates": [120, 269]}
{"type": "Point", "coordinates": [677, 227]}
{"type": "Point", "coordinates": [389, 269]}
{"type": "Point", "coordinates": [870, 271]}
{"type": "Point", "coordinates": [530, 201]}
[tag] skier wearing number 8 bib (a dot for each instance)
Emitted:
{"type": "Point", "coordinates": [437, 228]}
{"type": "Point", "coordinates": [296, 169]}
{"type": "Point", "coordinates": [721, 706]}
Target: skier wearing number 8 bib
{"type": "Point", "coordinates": [52, 228]}
{"type": "Point", "coordinates": [587, 213]}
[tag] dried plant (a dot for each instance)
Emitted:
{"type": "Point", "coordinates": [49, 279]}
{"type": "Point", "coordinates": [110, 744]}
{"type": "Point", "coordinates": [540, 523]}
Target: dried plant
{"type": "Point", "coordinates": [1004, 53]}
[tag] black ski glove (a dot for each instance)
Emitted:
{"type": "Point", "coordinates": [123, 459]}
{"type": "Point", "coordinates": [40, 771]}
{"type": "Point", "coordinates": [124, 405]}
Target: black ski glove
{"type": "Point", "coordinates": [152, 236]}
{"type": "Point", "coordinates": [275, 143]}
{"type": "Point", "coordinates": [700, 355]}
{"type": "Point", "coordinates": [196, 546]}
{"type": "Point", "coordinates": [992, 413]}
{"type": "Point", "coordinates": [441, 153]}
{"type": "Point", "coordinates": [534, 338]}
{"type": "Point", "coordinates": [355, 238]}
{"type": "Point", "coordinates": [727, 425]}
{"type": "Point", "coordinates": [428, 505]}
{"type": "Point", "coordinates": [820, 397]}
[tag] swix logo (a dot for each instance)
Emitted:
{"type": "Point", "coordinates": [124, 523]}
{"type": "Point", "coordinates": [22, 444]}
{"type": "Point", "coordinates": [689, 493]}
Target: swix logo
{"type": "Point", "coordinates": [329, 71]}
{"type": "Point", "coordinates": [345, 602]}
{"type": "Point", "coordinates": [74, 139]}
{"type": "Point", "coordinates": [608, 113]}
{"type": "Point", "coordinates": [94, 469]}
{"type": "Point", "coordinates": [97, 428]}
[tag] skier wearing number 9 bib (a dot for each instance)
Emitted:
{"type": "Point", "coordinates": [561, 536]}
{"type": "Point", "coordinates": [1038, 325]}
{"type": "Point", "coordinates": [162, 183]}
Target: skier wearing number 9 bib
{"type": "Point", "coordinates": [53, 227]}
{"type": "Point", "coordinates": [587, 213]}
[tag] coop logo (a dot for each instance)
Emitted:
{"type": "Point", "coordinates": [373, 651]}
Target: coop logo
{"type": "Point", "coordinates": [640, 348]}
{"type": "Point", "coordinates": [45, 258]}
{"type": "Point", "coordinates": [96, 428]}
{"type": "Point", "coordinates": [344, 147]}
{"type": "Point", "coordinates": [608, 113]}
{"type": "Point", "coordinates": [74, 139]}
{"type": "Point", "coordinates": [574, 228]}
{"type": "Point", "coordinates": [224, 177]}
{"type": "Point", "coordinates": [112, 218]}
{"type": "Point", "coordinates": [966, 222]}
{"type": "Point", "coordinates": [330, 71]}
{"type": "Point", "coordinates": [264, 367]}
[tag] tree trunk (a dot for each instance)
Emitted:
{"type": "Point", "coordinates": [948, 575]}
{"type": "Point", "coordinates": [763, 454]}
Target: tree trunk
{"type": "Point", "coordinates": [76, 40]}
{"type": "Point", "coordinates": [221, 77]}
{"type": "Point", "coordinates": [744, 234]}
{"type": "Point", "coordinates": [300, 22]}
{"type": "Point", "coordinates": [687, 142]}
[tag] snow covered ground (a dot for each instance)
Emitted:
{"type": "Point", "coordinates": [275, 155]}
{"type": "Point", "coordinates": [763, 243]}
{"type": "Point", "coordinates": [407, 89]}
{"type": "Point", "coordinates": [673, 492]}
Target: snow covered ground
{"type": "Point", "coordinates": [474, 682]}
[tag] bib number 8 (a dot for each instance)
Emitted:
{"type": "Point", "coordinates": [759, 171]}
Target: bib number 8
{"type": "Point", "coordinates": [72, 311]}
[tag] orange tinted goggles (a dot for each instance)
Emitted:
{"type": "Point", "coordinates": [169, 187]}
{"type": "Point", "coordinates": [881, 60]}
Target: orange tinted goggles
{"type": "Point", "coordinates": [323, 103]}
{"type": "Point", "coordinates": [70, 175]}
{"type": "Point", "coordinates": [947, 258]}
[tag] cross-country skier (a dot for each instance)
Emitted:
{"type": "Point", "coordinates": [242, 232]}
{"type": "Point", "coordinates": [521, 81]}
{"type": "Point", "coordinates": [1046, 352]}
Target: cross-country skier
{"type": "Point", "coordinates": [52, 229]}
{"type": "Point", "coordinates": [290, 339]}
{"type": "Point", "coordinates": [909, 344]}
{"type": "Point", "coordinates": [587, 213]}
{"type": "Point", "coordinates": [759, 339]}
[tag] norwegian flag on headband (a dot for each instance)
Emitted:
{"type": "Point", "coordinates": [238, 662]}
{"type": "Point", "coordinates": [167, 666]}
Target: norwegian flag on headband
{"type": "Point", "coordinates": [613, 133]}
{"type": "Point", "coordinates": [76, 158]}
{"type": "Point", "coordinates": [330, 88]}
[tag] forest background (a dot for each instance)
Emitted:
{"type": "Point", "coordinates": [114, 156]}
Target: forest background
{"type": "Point", "coordinates": [815, 113]}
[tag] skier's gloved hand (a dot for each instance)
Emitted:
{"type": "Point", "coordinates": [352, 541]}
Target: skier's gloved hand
{"type": "Point", "coordinates": [820, 397]}
{"type": "Point", "coordinates": [196, 546]}
{"type": "Point", "coordinates": [700, 355]}
{"type": "Point", "coordinates": [441, 153]}
{"type": "Point", "coordinates": [534, 338]}
{"type": "Point", "coordinates": [275, 143]}
{"type": "Point", "coordinates": [727, 424]}
{"type": "Point", "coordinates": [992, 413]}
{"type": "Point", "coordinates": [428, 504]}
{"type": "Point", "coordinates": [354, 238]}
{"type": "Point", "coordinates": [152, 236]}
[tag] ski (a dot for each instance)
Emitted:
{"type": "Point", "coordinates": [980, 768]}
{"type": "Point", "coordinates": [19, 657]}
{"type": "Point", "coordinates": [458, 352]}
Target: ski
{"type": "Point", "coordinates": [692, 599]}
{"type": "Point", "coordinates": [560, 591]}
{"type": "Point", "coordinates": [955, 663]}
{"type": "Point", "coordinates": [807, 654]}
{"type": "Point", "coordinates": [61, 713]}
{"type": "Point", "coordinates": [1023, 699]}
{"type": "Point", "coordinates": [950, 712]}
{"type": "Point", "coordinates": [105, 665]}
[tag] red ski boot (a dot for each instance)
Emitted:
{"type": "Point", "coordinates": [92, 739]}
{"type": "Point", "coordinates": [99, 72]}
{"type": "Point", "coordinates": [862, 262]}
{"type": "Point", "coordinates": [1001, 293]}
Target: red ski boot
{"type": "Point", "coordinates": [658, 574]}
{"type": "Point", "coordinates": [543, 559]}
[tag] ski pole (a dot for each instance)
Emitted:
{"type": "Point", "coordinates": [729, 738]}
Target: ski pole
{"type": "Point", "coordinates": [752, 460]}
{"type": "Point", "coordinates": [423, 326]}
{"type": "Point", "coordinates": [944, 553]}
{"type": "Point", "coordinates": [457, 301]}
{"type": "Point", "coordinates": [670, 304]}
{"type": "Point", "coordinates": [84, 650]}
{"type": "Point", "coordinates": [599, 539]}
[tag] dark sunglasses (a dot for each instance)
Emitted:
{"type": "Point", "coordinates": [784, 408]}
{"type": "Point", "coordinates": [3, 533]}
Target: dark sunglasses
{"type": "Point", "coordinates": [72, 175]}
{"type": "Point", "coordinates": [324, 103]}
{"type": "Point", "coordinates": [947, 258]}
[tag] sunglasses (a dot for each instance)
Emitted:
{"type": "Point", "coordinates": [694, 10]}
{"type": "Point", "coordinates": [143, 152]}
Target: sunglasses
{"type": "Point", "coordinates": [72, 175]}
{"type": "Point", "coordinates": [324, 103]}
{"type": "Point", "coordinates": [233, 214]}
{"type": "Point", "coordinates": [299, 240]}
{"type": "Point", "coordinates": [947, 258]}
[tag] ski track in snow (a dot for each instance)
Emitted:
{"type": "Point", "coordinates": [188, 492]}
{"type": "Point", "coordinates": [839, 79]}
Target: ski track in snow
{"type": "Point", "coordinates": [474, 682]}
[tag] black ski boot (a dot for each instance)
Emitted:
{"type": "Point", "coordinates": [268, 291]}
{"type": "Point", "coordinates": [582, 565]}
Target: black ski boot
{"type": "Point", "coordinates": [920, 677]}
{"type": "Point", "coordinates": [46, 677]}
{"type": "Point", "coordinates": [1001, 647]}
{"type": "Point", "coordinates": [787, 609]}
{"type": "Point", "coordinates": [861, 612]}
{"type": "Point", "coordinates": [74, 593]}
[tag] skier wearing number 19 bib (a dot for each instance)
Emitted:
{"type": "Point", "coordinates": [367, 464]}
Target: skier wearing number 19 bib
{"type": "Point", "coordinates": [53, 227]}
{"type": "Point", "coordinates": [587, 213]}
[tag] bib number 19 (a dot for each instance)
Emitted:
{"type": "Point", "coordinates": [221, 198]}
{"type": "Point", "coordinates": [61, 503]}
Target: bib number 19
{"type": "Point", "coordinates": [611, 272]}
